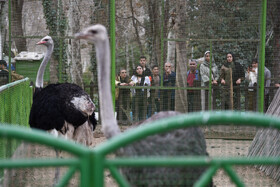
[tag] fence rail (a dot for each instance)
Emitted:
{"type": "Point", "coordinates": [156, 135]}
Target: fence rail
{"type": "Point", "coordinates": [244, 100]}
{"type": "Point", "coordinates": [92, 163]}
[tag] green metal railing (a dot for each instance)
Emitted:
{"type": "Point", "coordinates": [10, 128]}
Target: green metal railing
{"type": "Point", "coordinates": [92, 163]}
{"type": "Point", "coordinates": [15, 102]}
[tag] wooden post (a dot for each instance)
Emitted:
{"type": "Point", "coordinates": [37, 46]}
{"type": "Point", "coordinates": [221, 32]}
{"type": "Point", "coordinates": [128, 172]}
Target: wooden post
{"type": "Point", "coordinates": [231, 89]}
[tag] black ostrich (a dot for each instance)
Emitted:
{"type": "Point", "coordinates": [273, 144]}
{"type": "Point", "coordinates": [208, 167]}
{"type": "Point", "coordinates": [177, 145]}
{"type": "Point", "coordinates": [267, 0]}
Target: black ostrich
{"type": "Point", "coordinates": [64, 108]}
{"type": "Point", "coordinates": [178, 142]}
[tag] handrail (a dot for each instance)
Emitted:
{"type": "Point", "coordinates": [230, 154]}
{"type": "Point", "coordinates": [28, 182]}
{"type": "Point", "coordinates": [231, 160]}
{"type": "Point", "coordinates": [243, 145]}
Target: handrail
{"type": "Point", "coordinates": [195, 119]}
{"type": "Point", "coordinates": [41, 137]}
{"type": "Point", "coordinates": [6, 86]}
{"type": "Point", "coordinates": [93, 162]}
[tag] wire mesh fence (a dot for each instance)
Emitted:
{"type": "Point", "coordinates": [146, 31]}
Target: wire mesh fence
{"type": "Point", "coordinates": [161, 32]}
{"type": "Point", "coordinates": [185, 56]}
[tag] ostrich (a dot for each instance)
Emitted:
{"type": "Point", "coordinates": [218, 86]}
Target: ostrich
{"type": "Point", "coordinates": [61, 108]}
{"type": "Point", "coordinates": [178, 142]}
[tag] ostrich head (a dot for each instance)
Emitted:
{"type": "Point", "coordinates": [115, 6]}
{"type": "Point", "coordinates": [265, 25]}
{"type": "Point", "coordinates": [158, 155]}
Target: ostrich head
{"type": "Point", "coordinates": [47, 41]}
{"type": "Point", "coordinates": [93, 33]}
{"type": "Point", "coordinates": [97, 34]}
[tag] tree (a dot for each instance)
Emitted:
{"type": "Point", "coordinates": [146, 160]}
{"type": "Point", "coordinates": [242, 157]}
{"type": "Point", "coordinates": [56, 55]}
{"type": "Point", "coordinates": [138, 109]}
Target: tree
{"type": "Point", "coordinates": [16, 24]}
{"type": "Point", "coordinates": [273, 9]}
{"type": "Point", "coordinates": [181, 52]}
{"type": "Point", "coordinates": [3, 15]}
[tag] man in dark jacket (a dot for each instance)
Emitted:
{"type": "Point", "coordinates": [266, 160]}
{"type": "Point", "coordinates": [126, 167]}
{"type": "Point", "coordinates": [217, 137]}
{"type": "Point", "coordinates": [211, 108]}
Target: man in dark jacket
{"type": "Point", "coordinates": [169, 79]}
{"type": "Point", "coordinates": [143, 63]}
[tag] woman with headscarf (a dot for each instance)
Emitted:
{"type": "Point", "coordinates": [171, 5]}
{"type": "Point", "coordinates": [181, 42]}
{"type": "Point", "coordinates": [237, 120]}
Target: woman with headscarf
{"type": "Point", "coordinates": [232, 74]}
{"type": "Point", "coordinates": [205, 77]}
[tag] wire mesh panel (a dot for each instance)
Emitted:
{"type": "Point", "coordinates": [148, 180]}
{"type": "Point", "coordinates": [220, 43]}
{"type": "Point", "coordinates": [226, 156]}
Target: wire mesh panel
{"type": "Point", "coordinates": [16, 102]}
{"type": "Point", "coordinates": [180, 33]}
{"type": "Point", "coordinates": [160, 31]}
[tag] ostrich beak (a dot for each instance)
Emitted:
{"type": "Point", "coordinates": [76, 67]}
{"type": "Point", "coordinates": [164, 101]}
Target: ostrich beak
{"type": "Point", "coordinates": [41, 42]}
{"type": "Point", "coordinates": [80, 35]}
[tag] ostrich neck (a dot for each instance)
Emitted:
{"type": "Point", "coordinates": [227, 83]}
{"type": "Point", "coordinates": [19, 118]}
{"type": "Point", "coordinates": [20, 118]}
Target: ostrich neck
{"type": "Point", "coordinates": [109, 124]}
{"type": "Point", "coordinates": [41, 70]}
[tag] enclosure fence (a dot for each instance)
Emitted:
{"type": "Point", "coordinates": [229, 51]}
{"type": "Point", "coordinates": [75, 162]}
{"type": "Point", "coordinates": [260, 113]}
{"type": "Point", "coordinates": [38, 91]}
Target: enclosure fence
{"type": "Point", "coordinates": [162, 32]}
{"type": "Point", "coordinates": [91, 164]}
{"type": "Point", "coordinates": [16, 100]}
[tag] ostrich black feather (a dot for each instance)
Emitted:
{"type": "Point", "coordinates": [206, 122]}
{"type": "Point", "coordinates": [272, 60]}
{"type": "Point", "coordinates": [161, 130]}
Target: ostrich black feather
{"type": "Point", "coordinates": [52, 106]}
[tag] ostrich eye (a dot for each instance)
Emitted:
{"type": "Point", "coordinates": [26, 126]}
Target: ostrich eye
{"type": "Point", "coordinates": [46, 40]}
{"type": "Point", "coordinates": [93, 32]}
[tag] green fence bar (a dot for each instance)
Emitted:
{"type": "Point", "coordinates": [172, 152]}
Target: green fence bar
{"type": "Point", "coordinates": [113, 47]}
{"type": "Point", "coordinates": [92, 163]}
{"type": "Point", "coordinates": [10, 38]}
{"type": "Point", "coordinates": [262, 58]}
{"type": "Point", "coordinates": [180, 121]}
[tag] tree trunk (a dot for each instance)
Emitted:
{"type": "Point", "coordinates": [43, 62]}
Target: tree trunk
{"type": "Point", "coordinates": [73, 50]}
{"type": "Point", "coordinates": [154, 30]}
{"type": "Point", "coordinates": [181, 103]}
{"type": "Point", "coordinates": [136, 28]}
{"type": "Point", "coordinates": [273, 14]}
{"type": "Point", "coordinates": [16, 24]}
{"type": "Point", "coordinates": [54, 63]}
{"type": "Point", "coordinates": [3, 14]}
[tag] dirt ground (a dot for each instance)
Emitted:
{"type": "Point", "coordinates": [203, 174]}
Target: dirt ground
{"type": "Point", "coordinates": [219, 148]}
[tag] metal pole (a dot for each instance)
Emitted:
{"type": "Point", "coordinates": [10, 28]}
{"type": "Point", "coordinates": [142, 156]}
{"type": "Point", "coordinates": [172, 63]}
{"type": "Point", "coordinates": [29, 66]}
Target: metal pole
{"type": "Point", "coordinates": [262, 59]}
{"type": "Point", "coordinates": [10, 40]}
{"type": "Point", "coordinates": [161, 44]}
{"type": "Point", "coordinates": [113, 47]}
{"type": "Point", "coordinates": [210, 79]}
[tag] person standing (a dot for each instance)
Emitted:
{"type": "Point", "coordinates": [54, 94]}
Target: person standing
{"type": "Point", "coordinates": [139, 96]}
{"type": "Point", "coordinates": [169, 80]}
{"type": "Point", "coordinates": [192, 78]}
{"type": "Point", "coordinates": [252, 77]}
{"type": "Point", "coordinates": [143, 63]}
{"type": "Point", "coordinates": [205, 78]}
{"type": "Point", "coordinates": [267, 81]}
{"type": "Point", "coordinates": [122, 95]}
{"type": "Point", "coordinates": [154, 102]}
{"type": "Point", "coordinates": [232, 74]}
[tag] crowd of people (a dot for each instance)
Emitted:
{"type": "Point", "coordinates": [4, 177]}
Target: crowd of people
{"type": "Point", "coordinates": [229, 76]}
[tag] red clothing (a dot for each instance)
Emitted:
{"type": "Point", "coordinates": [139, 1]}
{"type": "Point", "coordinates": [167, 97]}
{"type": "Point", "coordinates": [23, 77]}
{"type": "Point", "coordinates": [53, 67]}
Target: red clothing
{"type": "Point", "coordinates": [190, 79]}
